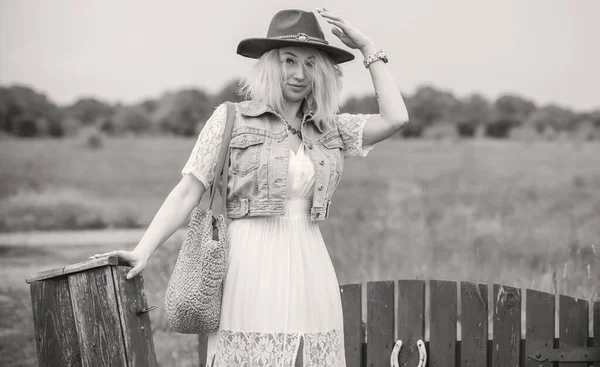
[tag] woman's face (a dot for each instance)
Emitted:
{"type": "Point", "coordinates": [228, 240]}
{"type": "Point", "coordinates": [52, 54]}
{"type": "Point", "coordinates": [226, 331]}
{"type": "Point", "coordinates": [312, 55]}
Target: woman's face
{"type": "Point", "coordinates": [298, 72]}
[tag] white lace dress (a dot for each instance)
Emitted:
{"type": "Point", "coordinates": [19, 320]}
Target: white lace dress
{"type": "Point", "coordinates": [280, 287]}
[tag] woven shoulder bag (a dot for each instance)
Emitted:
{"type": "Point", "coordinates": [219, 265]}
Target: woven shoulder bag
{"type": "Point", "coordinates": [195, 290]}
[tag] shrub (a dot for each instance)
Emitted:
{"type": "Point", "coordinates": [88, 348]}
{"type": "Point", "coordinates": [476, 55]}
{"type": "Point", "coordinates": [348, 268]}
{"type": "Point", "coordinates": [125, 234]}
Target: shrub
{"type": "Point", "coordinates": [107, 126]}
{"type": "Point", "coordinates": [466, 129]}
{"type": "Point", "coordinates": [25, 126]}
{"type": "Point", "coordinates": [92, 138]}
{"type": "Point", "coordinates": [499, 128]}
{"type": "Point", "coordinates": [56, 129]}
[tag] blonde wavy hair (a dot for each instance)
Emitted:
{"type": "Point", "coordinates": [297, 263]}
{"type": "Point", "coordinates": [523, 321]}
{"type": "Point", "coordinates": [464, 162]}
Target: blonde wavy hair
{"type": "Point", "coordinates": [263, 83]}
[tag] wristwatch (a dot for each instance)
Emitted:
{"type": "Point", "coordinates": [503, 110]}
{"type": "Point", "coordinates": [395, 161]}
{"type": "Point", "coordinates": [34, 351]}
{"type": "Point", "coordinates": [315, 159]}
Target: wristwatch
{"type": "Point", "coordinates": [379, 55]}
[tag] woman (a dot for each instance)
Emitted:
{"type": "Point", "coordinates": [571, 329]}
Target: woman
{"type": "Point", "coordinates": [281, 301]}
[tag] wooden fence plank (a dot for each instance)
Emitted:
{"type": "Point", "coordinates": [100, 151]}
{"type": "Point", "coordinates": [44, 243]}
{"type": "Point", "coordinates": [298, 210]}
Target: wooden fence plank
{"type": "Point", "coordinates": [573, 325]}
{"type": "Point", "coordinates": [353, 333]}
{"type": "Point", "coordinates": [410, 319]}
{"type": "Point", "coordinates": [137, 328]}
{"type": "Point", "coordinates": [442, 326]}
{"type": "Point", "coordinates": [474, 322]}
{"type": "Point", "coordinates": [596, 329]}
{"type": "Point", "coordinates": [97, 318]}
{"type": "Point", "coordinates": [380, 323]}
{"type": "Point", "coordinates": [507, 326]}
{"type": "Point", "coordinates": [54, 323]}
{"type": "Point", "coordinates": [539, 322]}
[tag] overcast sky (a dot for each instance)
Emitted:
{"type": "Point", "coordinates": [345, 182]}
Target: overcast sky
{"type": "Point", "coordinates": [126, 50]}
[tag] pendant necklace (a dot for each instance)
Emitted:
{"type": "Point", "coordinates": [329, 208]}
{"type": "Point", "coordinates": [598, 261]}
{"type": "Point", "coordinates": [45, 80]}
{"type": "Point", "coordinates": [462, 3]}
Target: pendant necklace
{"type": "Point", "coordinates": [293, 130]}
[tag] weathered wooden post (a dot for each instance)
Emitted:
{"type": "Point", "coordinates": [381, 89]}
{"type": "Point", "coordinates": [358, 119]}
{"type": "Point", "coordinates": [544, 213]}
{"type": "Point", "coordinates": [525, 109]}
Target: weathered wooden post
{"type": "Point", "coordinates": [89, 314]}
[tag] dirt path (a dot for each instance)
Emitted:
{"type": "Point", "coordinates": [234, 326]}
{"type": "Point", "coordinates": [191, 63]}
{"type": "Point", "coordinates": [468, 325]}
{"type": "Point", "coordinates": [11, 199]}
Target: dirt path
{"type": "Point", "coordinates": [75, 238]}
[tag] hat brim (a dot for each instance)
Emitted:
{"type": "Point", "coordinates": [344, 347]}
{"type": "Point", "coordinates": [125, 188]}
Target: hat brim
{"type": "Point", "coordinates": [255, 47]}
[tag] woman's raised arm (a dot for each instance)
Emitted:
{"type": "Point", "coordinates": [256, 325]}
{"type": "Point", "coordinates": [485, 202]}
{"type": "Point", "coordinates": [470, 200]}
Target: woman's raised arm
{"type": "Point", "coordinates": [392, 110]}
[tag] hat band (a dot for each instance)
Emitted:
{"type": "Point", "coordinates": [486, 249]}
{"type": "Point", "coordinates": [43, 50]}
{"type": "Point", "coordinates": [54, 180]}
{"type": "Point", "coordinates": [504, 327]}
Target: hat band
{"type": "Point", "coordinates": [302, 37]}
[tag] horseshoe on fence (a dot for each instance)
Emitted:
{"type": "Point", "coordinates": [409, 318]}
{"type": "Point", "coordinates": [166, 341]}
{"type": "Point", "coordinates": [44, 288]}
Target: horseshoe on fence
{"type": "Point", "coordinates": [396, 352]}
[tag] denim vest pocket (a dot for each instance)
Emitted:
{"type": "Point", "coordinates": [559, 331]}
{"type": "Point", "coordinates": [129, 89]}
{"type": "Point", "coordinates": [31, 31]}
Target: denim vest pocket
{"type": "Point", "coordinates": [332, 142]}
{"type": "Point", "coordinates": [245, 153]}
{"type": "Point", "coordinates": [333, 148]}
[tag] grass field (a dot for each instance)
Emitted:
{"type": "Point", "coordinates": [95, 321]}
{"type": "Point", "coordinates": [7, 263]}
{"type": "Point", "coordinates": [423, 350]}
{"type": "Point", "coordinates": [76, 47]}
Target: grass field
{"type": "Point", "coordinates": [503, 212]}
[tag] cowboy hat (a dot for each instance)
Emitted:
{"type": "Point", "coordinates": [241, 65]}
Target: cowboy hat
{"type": "Point", "coordinates": [292, 28]}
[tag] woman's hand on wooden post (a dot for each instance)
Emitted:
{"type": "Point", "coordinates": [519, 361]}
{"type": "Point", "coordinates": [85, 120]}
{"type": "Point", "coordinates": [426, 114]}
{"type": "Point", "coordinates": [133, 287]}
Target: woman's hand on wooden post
{"type": "Point", "coordinates": [137, 260]}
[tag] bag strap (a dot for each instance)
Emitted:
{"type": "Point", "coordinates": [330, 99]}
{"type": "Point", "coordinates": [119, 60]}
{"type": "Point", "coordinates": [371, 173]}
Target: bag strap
{"type": "Point", "coordinates": [223, 162]}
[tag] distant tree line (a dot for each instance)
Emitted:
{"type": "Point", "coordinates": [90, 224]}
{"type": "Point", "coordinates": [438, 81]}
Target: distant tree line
{"type": "Point", "coordinates": [438, 113]}
{"type": "Point", "coordinates": [434, 112]}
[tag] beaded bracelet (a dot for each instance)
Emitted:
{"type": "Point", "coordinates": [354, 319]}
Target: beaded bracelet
{"type": "Point", "coordinates": [379, 55]}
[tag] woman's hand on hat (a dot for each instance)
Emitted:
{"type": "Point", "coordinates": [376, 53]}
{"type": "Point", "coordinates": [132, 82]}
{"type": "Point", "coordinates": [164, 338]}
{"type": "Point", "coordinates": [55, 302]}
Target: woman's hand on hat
{"type": "Point", "coordinates": [347, 33]}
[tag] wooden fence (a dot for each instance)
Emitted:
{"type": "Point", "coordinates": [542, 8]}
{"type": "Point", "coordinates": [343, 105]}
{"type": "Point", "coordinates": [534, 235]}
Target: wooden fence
{"type": "Point", "coordinates": [557, 328]}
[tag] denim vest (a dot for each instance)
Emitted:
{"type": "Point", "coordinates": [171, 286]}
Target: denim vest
{"type": "Point", "coordinates": [259, 159]}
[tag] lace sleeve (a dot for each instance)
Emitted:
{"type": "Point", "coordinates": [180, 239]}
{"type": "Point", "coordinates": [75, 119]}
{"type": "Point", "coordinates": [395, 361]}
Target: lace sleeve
{"type": "Point", "coordinates": [203, 159]}
{"type": "Point", "coordinates": [351, 128]}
